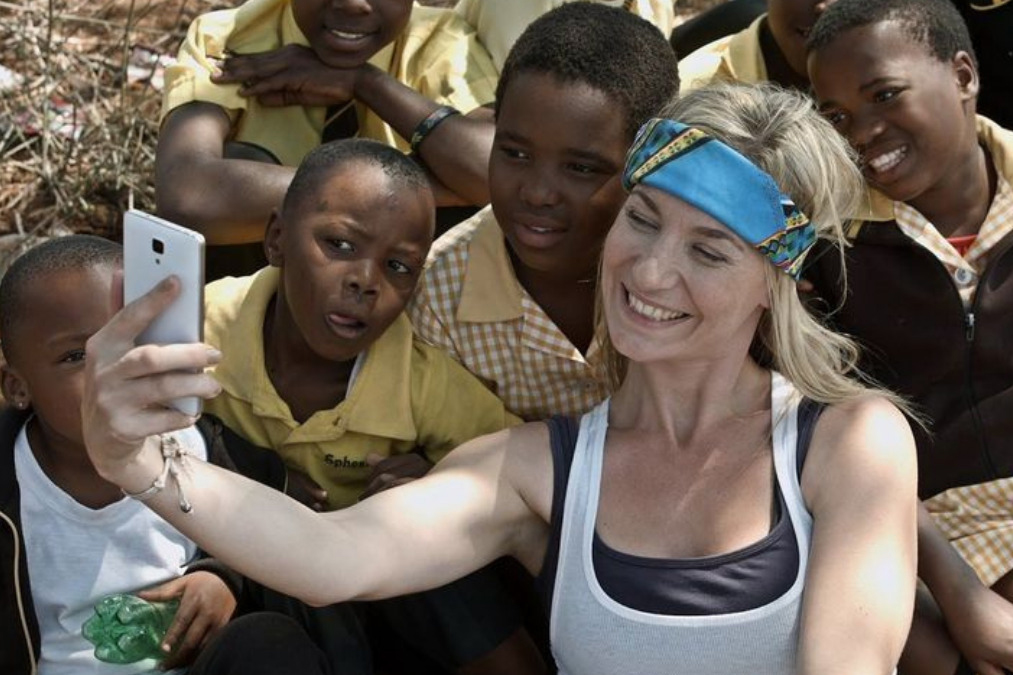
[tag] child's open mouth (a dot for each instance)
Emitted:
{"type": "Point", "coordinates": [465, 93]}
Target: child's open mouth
{"type": "Point", "coordinates": [538, 236]}
{"type": "Point", "coordinates": [345, 326]}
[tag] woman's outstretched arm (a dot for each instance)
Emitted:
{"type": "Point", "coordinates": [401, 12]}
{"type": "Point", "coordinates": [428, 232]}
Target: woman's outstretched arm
{"type": "Point", "coordinates": [467, 512]}
{"type": "Point", "coordinates": [859, 482]}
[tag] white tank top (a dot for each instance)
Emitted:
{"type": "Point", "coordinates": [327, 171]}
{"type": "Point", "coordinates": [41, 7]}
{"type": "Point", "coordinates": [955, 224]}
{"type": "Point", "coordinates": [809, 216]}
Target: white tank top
{"type": "Point", "coordinates": [592, 634]}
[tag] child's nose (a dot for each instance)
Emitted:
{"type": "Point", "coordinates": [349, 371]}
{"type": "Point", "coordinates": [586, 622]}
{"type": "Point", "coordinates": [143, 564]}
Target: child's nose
{"type": "Point", "coordinates": [538, 188]}
{"type": "Point", "coordinates": [361, 277]}
{"type": "Point", "coordinates": [354, 6]}
{"type": "Point", "coordinates": [865, 128]}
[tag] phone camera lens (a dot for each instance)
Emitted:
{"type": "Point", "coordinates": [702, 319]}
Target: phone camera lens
{"type": "Point", "coordinates": [157, 246]}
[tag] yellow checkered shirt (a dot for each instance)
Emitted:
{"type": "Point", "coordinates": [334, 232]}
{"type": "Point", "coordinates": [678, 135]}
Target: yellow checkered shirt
{"type": "Point", "coordinates": [471, 304]}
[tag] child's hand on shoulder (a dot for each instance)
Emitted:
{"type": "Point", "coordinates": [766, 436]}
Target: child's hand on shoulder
{"type": "Point", "coordinates": [392, 471]}
{"type": "Point", "coordinates": [290, 75]}
{"type": "Point", "coordinates": [205, 605]}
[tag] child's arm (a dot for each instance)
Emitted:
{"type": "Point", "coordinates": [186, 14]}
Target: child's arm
{"type": "Point", "coordinates": [206, 603]}
{"type": "Point", "coordinates": [228, 200]}
{"type": "Point", "coordinates": [456, 152]}
{"type": "Point", "coordinates": [979, 620]}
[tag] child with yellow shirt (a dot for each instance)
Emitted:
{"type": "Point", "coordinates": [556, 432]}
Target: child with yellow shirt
{"type": "Point", "coordinates": [319, 363]}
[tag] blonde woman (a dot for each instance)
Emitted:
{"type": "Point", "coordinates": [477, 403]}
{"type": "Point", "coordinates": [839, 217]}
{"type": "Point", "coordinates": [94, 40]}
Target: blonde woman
{"type": "Point", "coordinates": [740, 504]}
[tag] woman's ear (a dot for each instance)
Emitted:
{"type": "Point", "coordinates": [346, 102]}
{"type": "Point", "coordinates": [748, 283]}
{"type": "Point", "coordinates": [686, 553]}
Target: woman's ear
{"type": "Point", "coordinates": [15, 389]}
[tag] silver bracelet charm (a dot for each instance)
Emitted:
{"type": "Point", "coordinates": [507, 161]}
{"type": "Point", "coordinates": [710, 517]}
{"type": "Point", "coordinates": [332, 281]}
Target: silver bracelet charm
{"type": "Point", "coordinates": [174, 455]}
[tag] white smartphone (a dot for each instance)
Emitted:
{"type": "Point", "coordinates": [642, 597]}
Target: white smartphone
{"type": "Point", "coordinates": [154, 249]}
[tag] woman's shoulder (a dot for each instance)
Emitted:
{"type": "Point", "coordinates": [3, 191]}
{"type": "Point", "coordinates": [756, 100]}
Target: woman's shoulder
{"type": "Point", "coordinates": [866, 440]}
{"type": "Point", "coordinates": [870, 421]}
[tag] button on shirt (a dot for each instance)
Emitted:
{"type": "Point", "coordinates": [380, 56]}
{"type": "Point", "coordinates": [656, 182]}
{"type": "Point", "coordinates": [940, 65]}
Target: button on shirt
{"type": "Point", "coordinates": [471, 304]}
{"type": "Point", "coordinates": [965, 270]}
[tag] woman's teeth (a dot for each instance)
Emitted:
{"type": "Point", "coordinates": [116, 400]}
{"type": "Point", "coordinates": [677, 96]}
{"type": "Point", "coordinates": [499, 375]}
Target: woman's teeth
{"type": "Point", "coordinates": [652, 312]}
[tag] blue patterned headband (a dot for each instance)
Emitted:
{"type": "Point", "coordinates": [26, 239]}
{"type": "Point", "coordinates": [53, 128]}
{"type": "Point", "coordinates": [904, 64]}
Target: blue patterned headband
{"type": "Point", "coordinates": [709, 175]}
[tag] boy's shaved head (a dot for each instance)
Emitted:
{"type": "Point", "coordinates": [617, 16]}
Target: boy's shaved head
{"type": "Point", "coordinates": [325, 159]}
{"type": "Point", "coordinates": [74, 252]}
{"type": "Point", "coordinates": [934, 23]}
{"type": "Point", "coordinates": [606, 48]}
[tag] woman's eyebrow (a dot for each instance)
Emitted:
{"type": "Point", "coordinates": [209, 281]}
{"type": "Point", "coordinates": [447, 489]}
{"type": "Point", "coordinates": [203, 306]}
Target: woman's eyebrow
{"type": "Point", "coordinates": [721, 234]}
{"type": "Point", "coordinates": [646, 199]}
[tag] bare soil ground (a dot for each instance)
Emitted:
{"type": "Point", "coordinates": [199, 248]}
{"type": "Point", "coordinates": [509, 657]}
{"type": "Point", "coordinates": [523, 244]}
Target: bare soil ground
{"type": "Point", "coordinates": [79, 112]}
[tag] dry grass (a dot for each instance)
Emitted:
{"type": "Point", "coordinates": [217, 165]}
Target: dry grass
{"type": "Point", "coordinates": [72, 57]}
{"type": "Point", "coordinates": [76, 138]}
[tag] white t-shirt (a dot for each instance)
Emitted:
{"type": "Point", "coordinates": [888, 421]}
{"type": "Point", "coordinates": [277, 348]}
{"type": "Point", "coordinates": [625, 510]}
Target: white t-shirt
{"type": "Point", "coordinates": [77, 555]}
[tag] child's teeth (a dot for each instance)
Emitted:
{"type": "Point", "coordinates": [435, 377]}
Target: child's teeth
{"type": "Point", "coordinates": [347, 36]}
{"type": "Point", "coordinates": [888, 161]}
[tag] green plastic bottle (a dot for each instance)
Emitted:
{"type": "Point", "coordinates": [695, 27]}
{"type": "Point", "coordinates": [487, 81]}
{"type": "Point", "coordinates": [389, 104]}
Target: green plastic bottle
{"type": "Point", "coordinates": [127, 629]}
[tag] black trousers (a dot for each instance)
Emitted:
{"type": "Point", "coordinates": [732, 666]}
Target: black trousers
{"type": "Point", "coordinates": [263, 643]}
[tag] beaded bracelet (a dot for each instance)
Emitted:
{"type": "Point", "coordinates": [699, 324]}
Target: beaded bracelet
{"type": "Point", "coordinates": [174, 455]}
{"type": "Point", "coordinates": [426, 126]}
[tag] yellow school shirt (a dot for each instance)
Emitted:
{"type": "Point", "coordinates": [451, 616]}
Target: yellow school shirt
{"type": "Point", "coordinates": [734, 58]}
{"type": "Point", "coordinates": [500, 22]}
{"type": "Point", "coordinates": [438, 55]}
{"type": "Point", "coordinates": [404, 394]}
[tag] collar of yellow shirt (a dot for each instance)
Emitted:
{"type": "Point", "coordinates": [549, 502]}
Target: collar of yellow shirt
{"type": "Point", "coordinates": [491, 293]}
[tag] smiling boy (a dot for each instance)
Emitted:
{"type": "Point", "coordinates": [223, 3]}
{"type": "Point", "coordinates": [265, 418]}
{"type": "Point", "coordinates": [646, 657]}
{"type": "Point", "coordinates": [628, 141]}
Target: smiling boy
{"type": "Point", "coordinates": [930, 295]}
{"type": "Point", "coordinates": [510, 293]}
